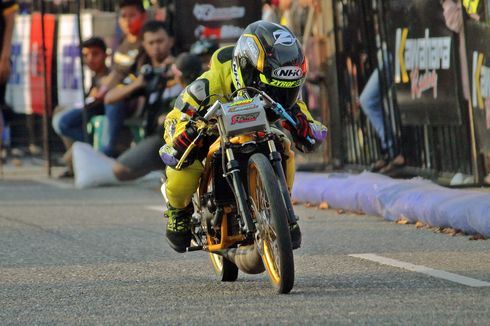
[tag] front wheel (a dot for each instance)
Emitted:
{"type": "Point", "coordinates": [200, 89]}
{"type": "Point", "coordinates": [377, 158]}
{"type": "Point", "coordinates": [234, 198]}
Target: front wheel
{"type": "Point", "coordinates": [271, 217]}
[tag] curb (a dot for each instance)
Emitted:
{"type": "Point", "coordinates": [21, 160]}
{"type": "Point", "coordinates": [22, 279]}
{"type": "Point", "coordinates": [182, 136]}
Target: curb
{"type": "Point", "coordinates": [413, 200]}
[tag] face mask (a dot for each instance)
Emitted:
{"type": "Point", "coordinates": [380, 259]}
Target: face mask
{"type": "Point", "coordinates": [136, 24]}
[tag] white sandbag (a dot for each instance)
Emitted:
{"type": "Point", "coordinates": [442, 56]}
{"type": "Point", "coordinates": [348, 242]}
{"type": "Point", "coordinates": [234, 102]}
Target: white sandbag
{"type": "Point", "coordinates": [91, 168]}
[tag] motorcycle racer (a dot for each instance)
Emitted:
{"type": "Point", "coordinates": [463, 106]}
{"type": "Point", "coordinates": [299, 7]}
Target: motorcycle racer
{"type": "Point", "coordinates": [267, 56]}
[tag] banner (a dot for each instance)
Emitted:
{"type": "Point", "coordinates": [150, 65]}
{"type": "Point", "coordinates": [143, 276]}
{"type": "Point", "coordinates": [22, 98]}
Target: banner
{"type": "Point", "coordinates": [478, 52]}
{"type": "Point", "coordinates": [36, 66]}
{"type": "Point", "coordinates": [70, 93]}
{"type": "Point", "coordinates": [18, 87]}
{"type": "Point", "coordinates": [223, 20]}
{"type": "Point", "coordinates": [425, 66]}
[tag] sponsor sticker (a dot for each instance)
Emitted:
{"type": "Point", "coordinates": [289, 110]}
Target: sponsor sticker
{"type": "Point", "coordinates": [242, 118]}
{"type": "Point", "coordinates": [254, 51]}
{"type": "Point", "coordinates": [208, 12]}
{"type": "Point", "coordinates": [283, 37]}
{"type": "Point", "coordinates": [288, 73]}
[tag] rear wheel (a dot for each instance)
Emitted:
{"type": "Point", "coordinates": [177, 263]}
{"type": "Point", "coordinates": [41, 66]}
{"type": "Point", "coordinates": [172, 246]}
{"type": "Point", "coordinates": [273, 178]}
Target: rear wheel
{"type": "Point", "coordinates": [224, 269]}
{"type": "Point", "coordinates": [271, 217]}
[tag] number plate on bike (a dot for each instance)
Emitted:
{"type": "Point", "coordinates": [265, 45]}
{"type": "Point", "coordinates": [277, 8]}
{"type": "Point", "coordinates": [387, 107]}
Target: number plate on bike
{"type": "Point", "coordinates": [243, 116]}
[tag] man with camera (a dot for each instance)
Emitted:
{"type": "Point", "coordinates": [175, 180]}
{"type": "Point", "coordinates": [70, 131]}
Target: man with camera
{"type": "Point", "coordinates": [148, 89]}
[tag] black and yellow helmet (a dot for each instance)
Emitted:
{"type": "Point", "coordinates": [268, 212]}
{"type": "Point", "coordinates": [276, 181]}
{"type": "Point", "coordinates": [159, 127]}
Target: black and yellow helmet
{"type": "Point", "coordinates": [268, 56]}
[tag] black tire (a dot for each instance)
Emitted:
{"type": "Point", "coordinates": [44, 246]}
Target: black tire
{"type": "Point", "coordinates": [271, 216]}
{"type": "Point", "coordinates": [225, 270]}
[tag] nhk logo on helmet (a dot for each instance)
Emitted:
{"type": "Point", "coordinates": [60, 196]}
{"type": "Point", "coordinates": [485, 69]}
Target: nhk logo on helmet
{"type": "Point", "coordinates": [283, 37]}
{"type": "Point", "coordinates": [288, 73]}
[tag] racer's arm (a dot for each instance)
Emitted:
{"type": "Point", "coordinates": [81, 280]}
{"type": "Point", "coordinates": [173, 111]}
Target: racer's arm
{"type": "Point", "coordinates": [192, 99]}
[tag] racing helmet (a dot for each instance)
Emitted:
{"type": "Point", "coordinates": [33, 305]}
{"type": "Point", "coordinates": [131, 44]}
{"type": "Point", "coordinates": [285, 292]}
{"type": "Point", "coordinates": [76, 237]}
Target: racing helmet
{"type": "Point", "coordinates": [268, 56]}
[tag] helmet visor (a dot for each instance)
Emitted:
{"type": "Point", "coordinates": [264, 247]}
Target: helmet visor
{"type": "Point", "coordinates": [282, 91]}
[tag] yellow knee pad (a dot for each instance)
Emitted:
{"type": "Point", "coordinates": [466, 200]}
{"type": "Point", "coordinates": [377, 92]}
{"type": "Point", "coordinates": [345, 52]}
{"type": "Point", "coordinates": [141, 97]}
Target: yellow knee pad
{"type": "Point", "coordinates": [181, 185]}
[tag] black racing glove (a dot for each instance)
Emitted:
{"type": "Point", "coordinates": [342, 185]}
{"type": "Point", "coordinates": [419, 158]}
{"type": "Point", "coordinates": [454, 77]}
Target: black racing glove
{"type": "Point", "coordinates": [301, 131]}
{"type": "Point", "coordinates": [183, 141]}
{"type": "Point", "coordinates": [302, 128]}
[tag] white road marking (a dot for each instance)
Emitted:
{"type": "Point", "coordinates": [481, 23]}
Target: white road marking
{"type": "Point", "coordinates": [55, 183]}
{"type": "Point", "coordinates": [423, 269]}
{"type": "Point", "coordinates": [156, 208]}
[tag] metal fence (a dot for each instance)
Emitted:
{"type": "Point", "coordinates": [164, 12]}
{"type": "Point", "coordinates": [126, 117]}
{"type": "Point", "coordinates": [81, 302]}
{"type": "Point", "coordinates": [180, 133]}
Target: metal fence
{"type": "Point", "coordinates": [361, 44]}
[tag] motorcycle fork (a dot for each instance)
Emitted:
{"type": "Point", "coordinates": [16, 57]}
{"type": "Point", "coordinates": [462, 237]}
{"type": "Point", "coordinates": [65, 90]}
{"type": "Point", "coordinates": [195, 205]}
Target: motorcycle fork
{"type": "Point", "coordinates": [276, 159]}
{"type": "Point", "coordinates": [233, 169]}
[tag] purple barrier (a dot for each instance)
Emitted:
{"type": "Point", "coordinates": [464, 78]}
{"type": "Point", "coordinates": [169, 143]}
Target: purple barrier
{"type": "Point", "coordinates": [313, 187]}
{"type": "Point", "coordinates": [397, 200]}
{"type": "Point", "coordinates": [468, 213]}
{"type": "Point", "coordinates": [414, 200]}
{"type": "Point", "coordinates": [367, 185]}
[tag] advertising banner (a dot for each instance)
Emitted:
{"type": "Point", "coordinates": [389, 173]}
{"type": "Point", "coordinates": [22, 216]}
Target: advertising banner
{"type": "Point", "coordinates": [18, 87]}
{"type": "Point", "coordinates": [70, 93]}
{"type": "Point", "coordinates": [425, 67]}
{"type": "Point", "coordinates": [223, 20]}
{"type": "Point", "coordinates": [36, 67]}
{"type": "Point", "coordinates": [478, 52]}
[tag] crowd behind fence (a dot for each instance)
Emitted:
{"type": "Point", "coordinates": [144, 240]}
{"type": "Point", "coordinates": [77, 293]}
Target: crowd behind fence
{"type": "Point", "coordinates": [425, 113]}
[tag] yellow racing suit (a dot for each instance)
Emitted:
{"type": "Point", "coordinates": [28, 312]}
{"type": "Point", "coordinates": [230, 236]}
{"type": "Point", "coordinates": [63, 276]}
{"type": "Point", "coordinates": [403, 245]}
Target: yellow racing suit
{"type": "Point", "coordinates": [181, 184]}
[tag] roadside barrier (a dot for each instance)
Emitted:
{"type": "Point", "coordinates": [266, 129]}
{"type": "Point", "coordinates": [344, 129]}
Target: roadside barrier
{"type": "Point", "coordinates": [413, 200]}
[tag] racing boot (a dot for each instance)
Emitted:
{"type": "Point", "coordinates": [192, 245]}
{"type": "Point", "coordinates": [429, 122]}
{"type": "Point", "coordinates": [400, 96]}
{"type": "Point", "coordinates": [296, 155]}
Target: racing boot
{"type": "Point", "coordinates": [179, 227]}
{"type": "Point", "coordinates": [295, 232]}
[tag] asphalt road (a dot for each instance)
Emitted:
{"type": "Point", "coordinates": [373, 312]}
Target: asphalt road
{"type": "Point", "coordinates": [98, 256]}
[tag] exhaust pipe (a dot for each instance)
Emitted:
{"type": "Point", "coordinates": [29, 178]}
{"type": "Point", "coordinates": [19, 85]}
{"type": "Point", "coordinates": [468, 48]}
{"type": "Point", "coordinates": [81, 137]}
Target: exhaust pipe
{"type": "Point", "coordinates": [246, 258]}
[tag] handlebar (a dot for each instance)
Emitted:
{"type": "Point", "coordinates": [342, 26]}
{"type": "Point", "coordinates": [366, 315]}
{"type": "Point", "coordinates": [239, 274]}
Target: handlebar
{"type": "Point", "coordinates": [275, 106]}
{"type": "Point", "coordinates": [279, 109]}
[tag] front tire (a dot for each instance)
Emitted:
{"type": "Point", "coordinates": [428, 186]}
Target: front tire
{"type": "Point", "coordinates": [271, 217]}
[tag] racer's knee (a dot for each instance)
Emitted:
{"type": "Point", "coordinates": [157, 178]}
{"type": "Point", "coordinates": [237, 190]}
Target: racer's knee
{"type": "Point", "coordinates": [181, 185]}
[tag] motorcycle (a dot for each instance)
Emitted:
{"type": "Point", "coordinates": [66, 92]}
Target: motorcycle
{"type": "Point", "coordinates": [242, 208]}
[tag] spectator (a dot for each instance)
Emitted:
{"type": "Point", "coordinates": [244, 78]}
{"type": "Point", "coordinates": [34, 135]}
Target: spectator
{"type": "Point", "coordinates": [139, 159]}
{"type": "Point", "coordinates": [371, 96]}
{"type": "Point", "coordinates": [270, 11]}
{"type": "Point", "coordinates": [132, 16]}
{"type": "Point", "coordinates": [371, 104]}
{"type": "Point", "coordinates": [68, 124]}
{"type": "Point", "coordinates": [204, 48]}
{"type": "Point", "coordinates": [150, 79]}
{"type": "Point", "coordinates": [7, 18]}
{"type": "Point", "coordinates": [297, 22]}
{"type": "Point", "coordinates": [454, 16]}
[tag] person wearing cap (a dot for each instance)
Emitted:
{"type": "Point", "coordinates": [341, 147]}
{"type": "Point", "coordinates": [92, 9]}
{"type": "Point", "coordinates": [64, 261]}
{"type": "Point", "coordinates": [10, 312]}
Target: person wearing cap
{"type": "Point", "coordinates": [204, 48]}
{"type": "Point", "coordinates": [187, 68]}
